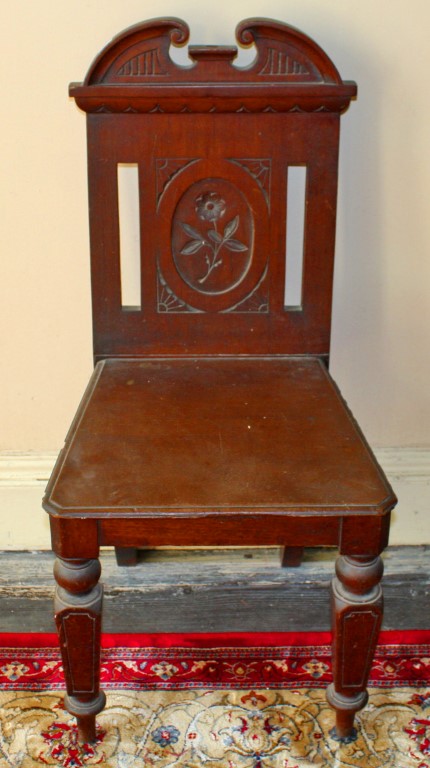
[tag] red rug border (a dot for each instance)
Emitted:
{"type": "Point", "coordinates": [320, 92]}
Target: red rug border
{"type": "Point", "coordinates": [211, 640]}
{"type": "Point", "coordinates": [214, 660]}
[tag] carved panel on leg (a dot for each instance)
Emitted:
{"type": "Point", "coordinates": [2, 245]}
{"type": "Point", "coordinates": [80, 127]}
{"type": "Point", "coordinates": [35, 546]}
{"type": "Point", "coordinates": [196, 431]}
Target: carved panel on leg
{"type": "Point", "coordinates": [357, 615]}
{"type": "Point", "coordinates": [78, 607]}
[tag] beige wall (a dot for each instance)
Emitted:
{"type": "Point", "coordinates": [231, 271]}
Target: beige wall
{"type": "Point", "coordinates": [381, 338]}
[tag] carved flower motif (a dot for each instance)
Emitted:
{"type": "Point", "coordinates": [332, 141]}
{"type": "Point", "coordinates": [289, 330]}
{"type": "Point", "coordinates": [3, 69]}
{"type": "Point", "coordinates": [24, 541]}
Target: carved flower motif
{"type": "Point", "coordinates": [210, 206]}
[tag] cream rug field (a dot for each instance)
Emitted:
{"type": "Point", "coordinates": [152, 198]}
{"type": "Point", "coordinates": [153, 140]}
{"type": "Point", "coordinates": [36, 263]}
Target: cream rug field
{"type": "Point", "coordinates": [217, 729]}
{"type": "Point", "coordinates": [170, 703]}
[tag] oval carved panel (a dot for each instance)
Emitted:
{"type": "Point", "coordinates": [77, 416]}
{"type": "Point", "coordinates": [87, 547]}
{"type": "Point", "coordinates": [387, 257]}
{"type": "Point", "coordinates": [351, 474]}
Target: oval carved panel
{"type": "Point", "coordinates": [212, 236]}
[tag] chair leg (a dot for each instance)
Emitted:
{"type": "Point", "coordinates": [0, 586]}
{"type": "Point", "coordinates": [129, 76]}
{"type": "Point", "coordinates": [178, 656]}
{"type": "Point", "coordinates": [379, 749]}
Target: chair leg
{"type": "Point", "coordinates": [126, 556]}
{"type": "Point", "coordinates": [291, 557]}
{"type": "Point", "coordinates": [78, 607]}
{"type": "Point", "coordinates": [357, 617]}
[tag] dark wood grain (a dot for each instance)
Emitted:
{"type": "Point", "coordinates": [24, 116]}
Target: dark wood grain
{"type": "Point", "coordinates": [78, 607]}
{"type": "Point", "coordinates": [357, 617]}
{"type": "Point", "coordinates": [211, 418]}
{"type": "Point", "coordinates": [174, 437]}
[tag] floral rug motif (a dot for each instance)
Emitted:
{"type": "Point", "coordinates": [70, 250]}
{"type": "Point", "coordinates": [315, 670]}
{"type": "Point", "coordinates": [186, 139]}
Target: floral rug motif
{"type": "Point", "coordinates": [216, 729]}
{"type": "Point", "coordinates": [174, 668]}
{"type": "Point", "coordinates": [182, 706]}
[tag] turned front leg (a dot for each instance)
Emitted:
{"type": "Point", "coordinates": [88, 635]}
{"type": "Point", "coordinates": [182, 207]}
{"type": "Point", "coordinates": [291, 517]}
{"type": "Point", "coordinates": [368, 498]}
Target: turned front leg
{"type": "Point", "coordinates": [78, 607]}
{"type": "Point", "coordinates": [357, 616]}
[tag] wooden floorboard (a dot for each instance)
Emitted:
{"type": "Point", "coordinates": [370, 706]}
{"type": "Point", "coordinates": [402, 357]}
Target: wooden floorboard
{"type": "Point", "coordinates": [239, 590]}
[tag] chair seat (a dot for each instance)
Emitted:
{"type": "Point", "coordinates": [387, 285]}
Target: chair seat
{"type": "Point", "coordinates": [213, 435]}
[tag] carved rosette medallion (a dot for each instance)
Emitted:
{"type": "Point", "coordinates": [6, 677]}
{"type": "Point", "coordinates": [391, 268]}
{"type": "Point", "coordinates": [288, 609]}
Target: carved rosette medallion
{"type": "Point", "coordinates": [211, 263]}
{"type": "Point", "coordinates": [212, 236]}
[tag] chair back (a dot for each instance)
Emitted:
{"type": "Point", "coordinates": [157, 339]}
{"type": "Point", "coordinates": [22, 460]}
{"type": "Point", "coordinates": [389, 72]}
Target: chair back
{"type": "Point", "coordinates": [230, 258]}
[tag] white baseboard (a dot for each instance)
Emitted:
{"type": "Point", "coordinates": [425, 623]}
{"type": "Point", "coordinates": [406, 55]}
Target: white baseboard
{"type": "Point", "coordinates": [25, 469]}
{"type": "Point", "coordinates": [408, 470]}
{"type": "Point", "coordinates": [23, 477]}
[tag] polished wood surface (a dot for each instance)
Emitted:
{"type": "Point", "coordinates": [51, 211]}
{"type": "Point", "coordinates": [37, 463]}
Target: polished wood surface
{"type": "Point", "coordinates": [211, 418]}
{"type": "Point", "coordinates": [214, 436]}
{"type": "Point", "coordinates": [213, 128]}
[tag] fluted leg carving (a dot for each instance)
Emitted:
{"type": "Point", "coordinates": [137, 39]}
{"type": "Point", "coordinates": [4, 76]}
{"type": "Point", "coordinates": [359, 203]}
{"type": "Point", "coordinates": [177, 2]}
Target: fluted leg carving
{"type": "Point", "coordinates": [78, 607]}
{"type": "Point", "coordinates": [357, 615]}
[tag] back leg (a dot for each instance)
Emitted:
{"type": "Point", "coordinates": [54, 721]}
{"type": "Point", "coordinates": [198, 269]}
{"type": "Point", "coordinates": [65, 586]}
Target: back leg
{"type": "Point", "coordinates": [291, 557]}
{"type": "Point", "coordinates": [126, 556]}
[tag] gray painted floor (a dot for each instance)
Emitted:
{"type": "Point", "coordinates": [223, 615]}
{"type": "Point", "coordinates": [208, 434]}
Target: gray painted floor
{"type": "Point", "coordinates": [213, 591]}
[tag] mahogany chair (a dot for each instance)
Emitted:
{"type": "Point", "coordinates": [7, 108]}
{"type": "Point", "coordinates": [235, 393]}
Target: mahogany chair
{"type": "Point", "coordinates": [211, 418]}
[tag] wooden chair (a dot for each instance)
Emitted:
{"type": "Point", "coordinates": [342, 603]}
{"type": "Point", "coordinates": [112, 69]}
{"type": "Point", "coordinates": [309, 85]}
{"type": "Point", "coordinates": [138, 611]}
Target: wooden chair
{"type": "Point", "coordinates": [211, 418]}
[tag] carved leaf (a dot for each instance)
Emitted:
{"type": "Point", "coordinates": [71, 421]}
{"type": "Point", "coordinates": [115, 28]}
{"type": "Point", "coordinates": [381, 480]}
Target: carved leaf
{"type": "Point", "coordinates": [191, 231]}
{"type": "Point", "coordinates": [192, 247]}
{"type": "Point", "coordinates": [215, 236]}
{"type": "Point", "coordinates": [235, 245]}
{"type": "Point", "coordinates": [231, 227]}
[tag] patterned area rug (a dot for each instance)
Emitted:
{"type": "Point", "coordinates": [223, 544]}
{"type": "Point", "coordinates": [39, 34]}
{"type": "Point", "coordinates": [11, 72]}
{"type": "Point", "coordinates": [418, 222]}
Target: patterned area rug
{"type": "Point", "coordinates": [229, 707]}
